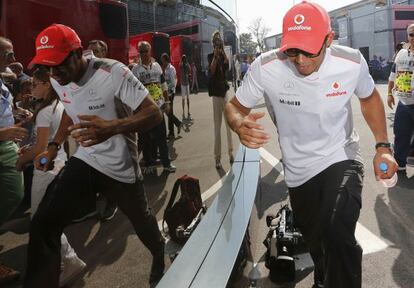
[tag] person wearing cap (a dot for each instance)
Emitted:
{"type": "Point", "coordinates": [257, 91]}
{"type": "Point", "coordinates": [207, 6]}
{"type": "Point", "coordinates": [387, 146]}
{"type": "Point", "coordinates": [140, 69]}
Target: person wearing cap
{"type": "Point", "coordinates": [307, 86]}
{"type": "Point", "coordinates": [400, 86]}
{"type": "Point", "coordinates": [104, 107]}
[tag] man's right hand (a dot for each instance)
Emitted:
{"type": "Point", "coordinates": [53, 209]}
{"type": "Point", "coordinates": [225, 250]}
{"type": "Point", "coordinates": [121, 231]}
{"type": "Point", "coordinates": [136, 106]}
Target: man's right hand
{"type": "Point", "coordinates": [47, 156]}
{"type": "Point", "coordinates": [250, 132]}
{"type": "Point", "coordinates": [13, 133]}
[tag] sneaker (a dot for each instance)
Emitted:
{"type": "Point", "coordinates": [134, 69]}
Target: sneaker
{"type": "Point", "coordinates": [317, 285]}
{"type": "Point", "coordinates": [71, 267]}
{"type": "Point", "coordinates": [410, 161]}
{"type": "Point", "coordinates": [8, 275]}
{"type": "Point", "coordinates": [218, 164]}
{"type": "Point", "coordinates": [157, 268]}
{"type": "Point", "coordinates": [87, 216]}
{"type": "Point", "coordinates": [170, 169]}
{"type": "Point", "coordinates": [109, 212]}
{"type": "Point", "coordinates": [189, 117]}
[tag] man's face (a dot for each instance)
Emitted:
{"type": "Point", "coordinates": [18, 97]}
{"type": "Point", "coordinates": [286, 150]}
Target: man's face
{"type": "Point", "coordinates": [6, 55]}
{"type": "Point", "coordinates": [67, 71]}
{"type": "Point", "coordinates": [410, 35]}
{"type": "Point", "coordinates": [306, 63]}
{"type": "Point", "coordinates": [98, 51]}
{"type": "Point", "coordinates": [144, 53]}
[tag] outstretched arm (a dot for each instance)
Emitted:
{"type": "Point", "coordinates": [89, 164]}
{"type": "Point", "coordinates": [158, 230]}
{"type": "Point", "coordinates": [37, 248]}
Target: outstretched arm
{"type": "Point", "coordinates": [244, 123]}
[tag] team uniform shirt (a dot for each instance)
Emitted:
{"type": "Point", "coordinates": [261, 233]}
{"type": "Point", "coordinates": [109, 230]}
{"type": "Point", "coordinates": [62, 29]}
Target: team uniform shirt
{"type": "Point", "coordinates": [49, 117]}
{"type": "Point", "coordinates": [152, 78]}
{"type": "Point", "coordinates": [402, 77]}
{"type": "Point", "coordinates": [313, 113]}
{"type": "Point", "coordinates": [170, 78]}
{"type": "Point", "coordinates": [108, 90]}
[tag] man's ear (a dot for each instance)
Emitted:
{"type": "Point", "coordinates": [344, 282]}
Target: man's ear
{"type": "Point", "coordinates": [79, 52]}
{"type": "Point", "coordinates": [330, 38]}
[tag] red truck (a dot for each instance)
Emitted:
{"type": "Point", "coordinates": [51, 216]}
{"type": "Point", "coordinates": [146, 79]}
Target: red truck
{"type": "Point", "coordinates": [106, 20]}
{"type": "Point", "coordinates": [179, 45]}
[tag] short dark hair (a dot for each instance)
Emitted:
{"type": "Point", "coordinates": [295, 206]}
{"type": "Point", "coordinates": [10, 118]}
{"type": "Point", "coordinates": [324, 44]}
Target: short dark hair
{"type": "Point", "coordinates": [100, 43]}
{"type": "Point", "coordinates": [166, 57]}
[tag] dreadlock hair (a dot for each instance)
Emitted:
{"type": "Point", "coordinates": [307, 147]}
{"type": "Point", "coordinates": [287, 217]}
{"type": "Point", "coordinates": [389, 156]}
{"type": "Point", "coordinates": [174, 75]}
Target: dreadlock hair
{"type": "Point", "coordinates": [43, 75]}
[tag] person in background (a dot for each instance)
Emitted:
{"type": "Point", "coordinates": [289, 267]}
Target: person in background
{"type": "Point", "coordinates": [47, 120]}
{"type": "Point", "coordinates": [11, 180]}
{"type": "Point", "coordinates": [400, 86]}
{"type": "Point", "coordinates": [194, 78]}
{"type": "Point", "coordinates": [217, 90]}
{"type": "Point", "coordinates": [106, 160]}
{"type": "Point", "coordinates": [171, 79]}
{"type": "Point", "coordinates": [185, 76]}
{"type": "Point", "coordinates": [17, 69]}
{"type": "Point", "coordinates": [321, 156]}
{"type": "Point", "coordinates": [106, 209]}
{"type": "Point", "coordinates": [150, 74]}
{"type": "Point", "coordinates": [99, 48]}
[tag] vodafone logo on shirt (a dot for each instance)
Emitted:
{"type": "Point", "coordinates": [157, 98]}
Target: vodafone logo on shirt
{"type": "Point", "coordinates": [299, 19]}
{"type": "Point", "coordinates": [335, 86]}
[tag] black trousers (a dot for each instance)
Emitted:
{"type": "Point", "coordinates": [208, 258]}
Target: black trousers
{"type": "Point", "coordinates": [66, 197]}
{"type": "Point", "coordinates": [172, 119]}
{"type": "Point", "coordinates": [326, 209]}
{"type": "Point", "coordinates": [153, 139]}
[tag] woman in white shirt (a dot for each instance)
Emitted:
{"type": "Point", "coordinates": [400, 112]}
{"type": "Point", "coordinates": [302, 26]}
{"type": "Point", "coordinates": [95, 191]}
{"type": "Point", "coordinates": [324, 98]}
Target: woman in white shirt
{"type": "Point", "coordinates": [46, 122]}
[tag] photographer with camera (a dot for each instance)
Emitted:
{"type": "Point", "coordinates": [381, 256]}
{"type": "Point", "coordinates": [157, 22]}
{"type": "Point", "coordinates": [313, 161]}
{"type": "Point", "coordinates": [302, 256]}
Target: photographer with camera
{"type": "Point", "coordinates": [307, 85]}
{"type": "Point", "coordinates": [218, 64]}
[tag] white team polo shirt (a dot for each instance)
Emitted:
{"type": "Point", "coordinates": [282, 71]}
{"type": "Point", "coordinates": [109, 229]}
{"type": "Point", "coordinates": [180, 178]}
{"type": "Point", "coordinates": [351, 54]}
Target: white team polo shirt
{"type": "Point", "coordinates": [312, 113]}
{"type": "Point", "coordinates": [106, 85]}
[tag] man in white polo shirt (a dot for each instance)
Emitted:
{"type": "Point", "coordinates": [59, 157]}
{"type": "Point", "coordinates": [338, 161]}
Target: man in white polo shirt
{"type": "Point", "coordinates": [104, 107]}
{"type": "Point", "coordinates": [307, 85]}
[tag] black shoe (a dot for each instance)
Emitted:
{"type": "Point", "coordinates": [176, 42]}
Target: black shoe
{"type": "Point", "coordinates": [157, 268]}
{"type": "Point", "coordinates": [179, 128]}
{"type": "Point", "coordinates": [317, 285]}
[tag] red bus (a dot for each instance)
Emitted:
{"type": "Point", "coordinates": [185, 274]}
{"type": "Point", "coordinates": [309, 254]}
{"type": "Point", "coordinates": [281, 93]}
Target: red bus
{"type": "Point", "coordinates": [159, 42]}
{"type": "Point", "coordinates": [106, 20]}
{"type": "Point", "coordinates": [179, 45]}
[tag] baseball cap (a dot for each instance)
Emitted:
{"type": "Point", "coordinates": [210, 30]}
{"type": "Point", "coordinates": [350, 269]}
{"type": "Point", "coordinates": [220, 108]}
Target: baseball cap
{"type": "Point", "coordinates": [305, 27]}
{"type": "Point", "coordinates": [54, 44]}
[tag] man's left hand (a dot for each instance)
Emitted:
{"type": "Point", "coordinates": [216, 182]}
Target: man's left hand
{"type": "Point", "coordinates": [92, 131]}
{"type": "Point", "coordinates": [384, 155]}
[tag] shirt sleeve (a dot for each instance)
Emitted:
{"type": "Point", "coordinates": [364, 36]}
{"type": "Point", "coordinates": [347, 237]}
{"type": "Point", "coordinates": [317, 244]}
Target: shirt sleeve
{"type": "Point", "coordinates": [365, 84]}
{"type": "Point", "coordinates": [128, 88]}
{"type": "Point", "coordinates": [44, 117]}
{"type": "Point", "coordinates": [251, 90]}
{"type": "Point", "coordinates": [392, 74]}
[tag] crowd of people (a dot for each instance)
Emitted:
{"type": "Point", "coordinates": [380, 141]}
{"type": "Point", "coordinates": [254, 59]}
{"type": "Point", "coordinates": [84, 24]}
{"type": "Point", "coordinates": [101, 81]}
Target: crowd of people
{"type": "Point", "coordinates": [114, 112]}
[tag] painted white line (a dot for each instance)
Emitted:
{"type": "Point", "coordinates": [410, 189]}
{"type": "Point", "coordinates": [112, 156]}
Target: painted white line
{"type": "Point", "coordinates": [369, 242]}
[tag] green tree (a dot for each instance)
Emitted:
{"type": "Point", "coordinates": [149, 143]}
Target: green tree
{"type": "Point", "coordinates": [247, 45]}
{"type": "Point", "coordinates": [259, 30]}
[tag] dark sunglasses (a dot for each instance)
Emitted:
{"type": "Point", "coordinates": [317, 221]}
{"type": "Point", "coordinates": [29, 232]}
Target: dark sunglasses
{"type": "Point", "coordinates": [62, 66]}
{"type": "Point", "coordinates": [293, 52]}
{"type": "Point", "coordinates": [411, 34]}
{"type": "Point", "coordinates": [143, 51]}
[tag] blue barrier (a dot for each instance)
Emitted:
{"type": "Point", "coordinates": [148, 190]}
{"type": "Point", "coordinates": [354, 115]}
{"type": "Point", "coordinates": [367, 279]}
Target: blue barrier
{"type": "Point", "coordinates": [208, 257]}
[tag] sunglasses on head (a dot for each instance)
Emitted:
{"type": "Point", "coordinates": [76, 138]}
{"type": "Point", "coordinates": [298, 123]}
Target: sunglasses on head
{"type": "Point", "coordinates": [293, 52]}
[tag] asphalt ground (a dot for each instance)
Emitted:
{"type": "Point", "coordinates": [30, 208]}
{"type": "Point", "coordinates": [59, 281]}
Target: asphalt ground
{"type": "Point", "coordinates": [116, 258]}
